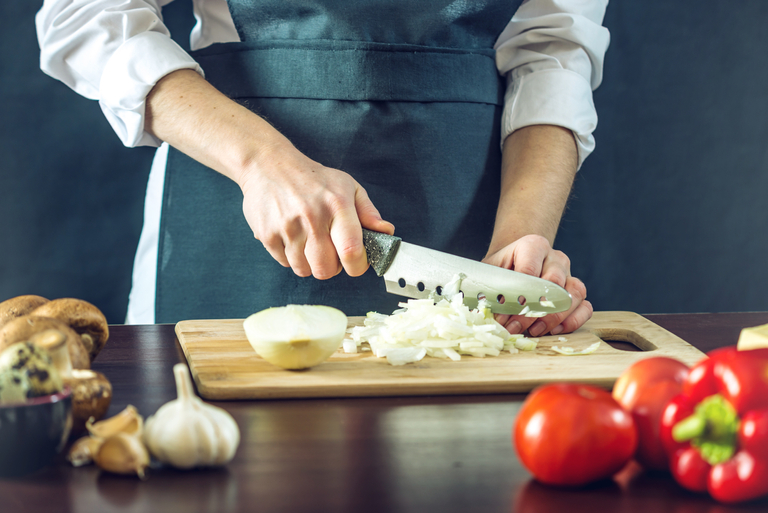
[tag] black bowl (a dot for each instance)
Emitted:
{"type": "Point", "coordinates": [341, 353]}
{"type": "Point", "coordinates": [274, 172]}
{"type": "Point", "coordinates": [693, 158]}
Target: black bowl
{"type": "Point", "coordinates": [34, 432]}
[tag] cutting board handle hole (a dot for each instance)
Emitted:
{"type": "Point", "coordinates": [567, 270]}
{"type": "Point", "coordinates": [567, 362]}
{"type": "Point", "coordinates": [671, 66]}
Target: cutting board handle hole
{"type": "Point", "coordinates": [625, 340]}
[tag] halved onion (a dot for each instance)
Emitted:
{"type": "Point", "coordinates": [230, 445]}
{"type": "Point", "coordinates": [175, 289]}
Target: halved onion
{"type": "Point", "coordinates": [296, 336]}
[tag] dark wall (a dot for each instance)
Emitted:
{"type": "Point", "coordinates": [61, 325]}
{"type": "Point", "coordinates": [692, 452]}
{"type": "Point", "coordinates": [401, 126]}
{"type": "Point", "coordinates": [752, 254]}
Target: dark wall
{"type": "Point", "coordinates": [71, 196]}
{"type": "Point", "coordinates": [668, 215]}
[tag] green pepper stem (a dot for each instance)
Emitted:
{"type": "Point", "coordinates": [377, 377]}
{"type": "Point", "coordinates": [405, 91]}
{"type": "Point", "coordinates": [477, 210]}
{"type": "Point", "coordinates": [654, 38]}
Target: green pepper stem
{"type": "Point", "coordinates": [689, 428]}
{"type": "Point", "coordinates": [711, 429]}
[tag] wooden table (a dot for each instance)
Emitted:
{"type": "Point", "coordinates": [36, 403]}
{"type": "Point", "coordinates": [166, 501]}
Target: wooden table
{"type": "Point", "coordinates": [419, 454]}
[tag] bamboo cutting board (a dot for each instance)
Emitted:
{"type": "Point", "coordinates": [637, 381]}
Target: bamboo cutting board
{"type": "Point", "coordinates": [224, 365]}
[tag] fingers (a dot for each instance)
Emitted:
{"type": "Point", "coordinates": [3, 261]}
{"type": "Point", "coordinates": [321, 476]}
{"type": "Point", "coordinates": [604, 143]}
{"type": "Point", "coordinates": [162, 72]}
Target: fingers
{"type": "Point", "coordinates": [347, 237]}
{"type": "Point", "coordinates": [369, 215]}
{"type": "Point", "coordinates": [570, 320]}
{"type": "Point", "coordinates": [320, 255]}
{"type": "Point", "coordinates": [534, 256]}
{"type": "Point", "coordinates": [529, 256]}
{"type": "Point", "coordinates": [312, 225]}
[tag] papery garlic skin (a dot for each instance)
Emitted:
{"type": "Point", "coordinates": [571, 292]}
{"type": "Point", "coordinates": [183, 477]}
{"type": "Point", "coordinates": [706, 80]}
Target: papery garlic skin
{"type": "Point", "coordinates": [122, 453]}
{"type": "Point", "coordinates": [187, 432]}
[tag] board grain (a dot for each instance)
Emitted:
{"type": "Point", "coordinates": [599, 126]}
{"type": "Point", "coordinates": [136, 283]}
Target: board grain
{"type": "Point", "coordinates": [225, 366]}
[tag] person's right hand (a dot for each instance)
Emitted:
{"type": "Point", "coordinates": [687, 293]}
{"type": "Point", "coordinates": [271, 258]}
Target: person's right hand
{"type": "Point", "coordinates": [309, 216]}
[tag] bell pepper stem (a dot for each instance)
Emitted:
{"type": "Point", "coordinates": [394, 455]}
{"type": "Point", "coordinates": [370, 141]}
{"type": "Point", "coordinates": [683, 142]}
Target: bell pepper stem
{"type": "Point", "coordinates": [689, 428]}
{"type": "Point", "coordinates": [711, 429]}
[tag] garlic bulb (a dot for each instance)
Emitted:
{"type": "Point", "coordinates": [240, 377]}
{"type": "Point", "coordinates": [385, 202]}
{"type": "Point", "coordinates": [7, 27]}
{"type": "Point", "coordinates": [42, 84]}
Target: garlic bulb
{"type": "Point", "coordinates": [296, 336]}
{"type": "Point", "coordinates": [187, 432]}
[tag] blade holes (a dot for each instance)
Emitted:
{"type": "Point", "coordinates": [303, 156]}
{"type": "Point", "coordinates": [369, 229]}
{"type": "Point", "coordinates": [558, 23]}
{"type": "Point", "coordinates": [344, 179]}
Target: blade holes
{"type": "Point", "coordinates": [401, 282]}
{"type": "Point", "coordinates": [420, 286]}
{"type": "Point", "coordinates": [480, 296]}
{"type": "Point", "coordinates": [542, 298]}
{"type": "Point", "coordinates": [439, 290]}
{"type": "Point", "coordinates": [521, 300]}
{"type": "Point", "coordinates": [500, 299]}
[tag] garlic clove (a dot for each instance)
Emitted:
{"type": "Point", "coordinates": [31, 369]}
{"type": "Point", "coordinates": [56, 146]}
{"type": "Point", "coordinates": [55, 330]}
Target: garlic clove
{"type": "Point", "coordinates": [226, 433]}
{"type": "Point", "coordinates": [127, 421]}
{"type": "Point", "coordinates": [122, 453]}
{"type": "Point", "coordinates": [83, 450]}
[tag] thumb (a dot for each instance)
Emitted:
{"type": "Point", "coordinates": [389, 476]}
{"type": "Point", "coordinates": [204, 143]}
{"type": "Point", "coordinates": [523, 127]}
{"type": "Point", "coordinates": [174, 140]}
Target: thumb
{"type": "Point", "coordinates": [369, 215]}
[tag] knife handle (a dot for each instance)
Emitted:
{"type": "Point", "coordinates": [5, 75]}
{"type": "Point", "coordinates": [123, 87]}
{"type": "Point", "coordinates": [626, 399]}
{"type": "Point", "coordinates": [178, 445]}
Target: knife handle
{"type": "Point", "coordinates": [381, 249]}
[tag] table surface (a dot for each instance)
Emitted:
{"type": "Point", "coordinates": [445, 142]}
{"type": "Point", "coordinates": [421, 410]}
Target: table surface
{"type": "Point", "coordinates": [399, 454]}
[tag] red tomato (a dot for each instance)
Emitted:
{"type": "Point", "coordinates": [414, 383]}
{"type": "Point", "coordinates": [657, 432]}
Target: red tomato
{"type": "Point", "coordinates": [571, 434]}
{"type": "Point", "coordinates": [644, 389]}
{"type": "Point", "coordinates": [645, 372]}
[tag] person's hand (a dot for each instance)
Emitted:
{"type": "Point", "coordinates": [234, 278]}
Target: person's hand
{"type": "Point", "coordinates": [533, 255]}
{"type": "Point", "coordinates": [309, 216]}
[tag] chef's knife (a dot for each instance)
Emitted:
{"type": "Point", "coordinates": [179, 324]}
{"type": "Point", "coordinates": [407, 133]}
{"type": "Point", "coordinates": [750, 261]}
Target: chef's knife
{"type": "Point", "coordinates": [416, 272]}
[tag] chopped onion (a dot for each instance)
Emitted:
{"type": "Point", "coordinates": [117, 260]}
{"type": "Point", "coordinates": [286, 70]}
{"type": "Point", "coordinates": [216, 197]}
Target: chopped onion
{"type": "Point", "coordinates": [526, 344]}
{"type": "Point", "coordinates": [403, 355]}
{"type": "Point", "coordinates": [453, 287]}
{"type": "Point", "coordinates": [446, 328]}
{"type": "Point", "coordinates": [569, 351]}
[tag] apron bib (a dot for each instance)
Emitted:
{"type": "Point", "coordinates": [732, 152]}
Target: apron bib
{"type": "Point", "coordinates": [404, 96]}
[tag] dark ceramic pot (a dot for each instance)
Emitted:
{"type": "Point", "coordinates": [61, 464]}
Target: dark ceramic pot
{"type": "Point", "coordinates": [33, 433]}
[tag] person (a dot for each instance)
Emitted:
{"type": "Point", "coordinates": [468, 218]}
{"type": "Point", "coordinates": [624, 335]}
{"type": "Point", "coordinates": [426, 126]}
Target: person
{"type": "Point", "coordinates": [319, 116]}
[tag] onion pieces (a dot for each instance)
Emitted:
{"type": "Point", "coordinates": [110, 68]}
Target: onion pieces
{"type": "Point", "coordinates": [569, 351]}
{"type": "Point", "coordinates": [446, 329]}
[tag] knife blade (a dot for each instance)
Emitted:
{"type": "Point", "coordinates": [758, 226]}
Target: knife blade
{"type": "Point", "coordinates": [417, 272]}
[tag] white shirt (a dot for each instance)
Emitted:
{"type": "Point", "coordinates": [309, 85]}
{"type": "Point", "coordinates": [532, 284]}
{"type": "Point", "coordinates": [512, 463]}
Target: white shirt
{"type": "Point", "coordinates": [115, 51]}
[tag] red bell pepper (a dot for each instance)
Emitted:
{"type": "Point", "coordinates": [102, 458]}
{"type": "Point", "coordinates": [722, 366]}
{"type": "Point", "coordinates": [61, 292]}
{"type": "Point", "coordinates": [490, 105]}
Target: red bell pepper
{"type": "Point", "coordinates": [716, 431]}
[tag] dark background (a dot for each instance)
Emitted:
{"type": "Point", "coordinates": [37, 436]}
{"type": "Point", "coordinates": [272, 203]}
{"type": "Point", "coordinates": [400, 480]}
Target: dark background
{"type": "Point", "coordinates": [668, 215]}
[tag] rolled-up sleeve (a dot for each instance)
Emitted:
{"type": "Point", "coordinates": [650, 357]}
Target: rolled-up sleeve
{"type": "Point", "coordinates": [113, 51]}
{"type": "Point", "coordinates": [552, 54]}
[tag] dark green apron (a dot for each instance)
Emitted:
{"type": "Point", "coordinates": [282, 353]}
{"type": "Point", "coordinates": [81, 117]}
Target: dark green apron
{"type": "Point", "coordinates": [403, 95]}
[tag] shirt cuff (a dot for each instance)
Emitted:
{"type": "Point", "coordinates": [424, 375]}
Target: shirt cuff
{"type": "Point", "coordinates": [551, 97]}
{"type": "Point", "coordinates": [130, 74]}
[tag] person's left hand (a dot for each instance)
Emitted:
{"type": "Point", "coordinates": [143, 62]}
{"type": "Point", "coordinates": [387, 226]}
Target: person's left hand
{"type": "Point", "coordinates": [533, 255]}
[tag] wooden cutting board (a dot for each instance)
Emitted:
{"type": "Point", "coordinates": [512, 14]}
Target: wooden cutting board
{"type": "Point", "coordinates": [224, 365]}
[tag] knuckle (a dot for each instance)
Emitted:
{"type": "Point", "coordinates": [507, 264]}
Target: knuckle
{"type": "Point", "coordinates": [527, 268]}
{"type": "Point", "coordinates": [581, 315]}
{"type": "Point", "coordinates": [563, 258]}
{"type": "Point", "coordinates": [325, 270]}
{"type": "Point", "coordinates": [272, 242]}
{"type": "Point", "coordinates": [350, 249]}
{"type": "Point", "coordinates": [577, 289]}
{"type": "Point", "coordinates": [302, 273]}
{"type": "Point", "coordinates": [558, 278]}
